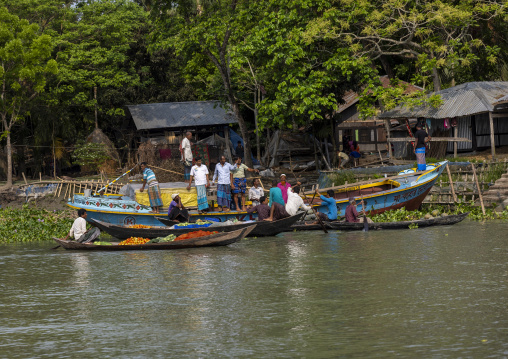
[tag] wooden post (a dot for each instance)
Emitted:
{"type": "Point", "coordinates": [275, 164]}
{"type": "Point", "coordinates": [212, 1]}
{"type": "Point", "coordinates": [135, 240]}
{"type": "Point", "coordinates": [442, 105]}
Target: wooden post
{"type": "Point", "coordinates": [492, 141]}
{"type": "Point", "coordinates": [479, 189]}
{"type": "Point", "coordinates": [451, 184]}
{"type": "Point", "coordinates": [40, 176]}
{"type": "Point", "coordinates": [228, 151]}
{"type": "Point", "coordinates": [455, 143]}
{"type": "Point", "coordinates": [24, 178]}
{"type": "Point", "coordinates": [387, 126]}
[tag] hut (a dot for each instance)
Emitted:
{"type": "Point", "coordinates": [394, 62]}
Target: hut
{"type": "Point", "coordinates": [369, 133]}
{"type": "Point", "coordinates": [164, 124]}
{"type": "Point", "coordinates": [472, 116]}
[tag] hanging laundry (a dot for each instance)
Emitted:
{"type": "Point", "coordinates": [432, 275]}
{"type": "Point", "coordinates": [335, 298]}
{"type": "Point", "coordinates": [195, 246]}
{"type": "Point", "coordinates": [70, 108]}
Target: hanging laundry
{"type": "Point", "coordinates": [453, 122]}
{"type": "Point", "coordinates": [446, 123]}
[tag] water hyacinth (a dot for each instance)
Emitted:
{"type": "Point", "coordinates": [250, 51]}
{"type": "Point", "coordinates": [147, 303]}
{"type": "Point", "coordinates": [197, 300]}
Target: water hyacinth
{"type": "Point", "coordinates": [33, 224]}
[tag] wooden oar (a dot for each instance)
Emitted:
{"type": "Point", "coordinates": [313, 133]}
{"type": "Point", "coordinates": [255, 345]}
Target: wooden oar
{"type": "Point", "coordinates": [315, 212]}
{"type": "Point", "coordinates": [365, 223]}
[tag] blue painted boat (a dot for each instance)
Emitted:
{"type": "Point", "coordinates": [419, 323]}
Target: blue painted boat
{"type": "Point", "coordinates": [407, 190]}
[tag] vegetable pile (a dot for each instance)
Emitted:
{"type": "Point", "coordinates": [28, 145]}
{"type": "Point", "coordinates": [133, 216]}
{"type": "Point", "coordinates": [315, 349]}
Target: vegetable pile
{"type": "Point", "coordinates": [133, 241]}
{"type": "Point", "coordinates": [194, 234]}
{"type": "Point", "coordinates": [169, 238]}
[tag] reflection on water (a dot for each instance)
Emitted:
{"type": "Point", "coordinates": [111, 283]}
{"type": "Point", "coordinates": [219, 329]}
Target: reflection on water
{"type": "Point", "coordinates": [438, 292]}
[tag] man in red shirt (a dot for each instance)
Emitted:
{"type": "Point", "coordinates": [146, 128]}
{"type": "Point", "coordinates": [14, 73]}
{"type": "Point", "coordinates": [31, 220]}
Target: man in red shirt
{"type": "Point", "coordinates": [351, 212]}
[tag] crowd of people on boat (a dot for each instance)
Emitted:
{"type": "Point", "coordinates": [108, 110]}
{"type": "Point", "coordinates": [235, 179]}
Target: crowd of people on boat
{"type": "Point", "coordinates": [283, 199]}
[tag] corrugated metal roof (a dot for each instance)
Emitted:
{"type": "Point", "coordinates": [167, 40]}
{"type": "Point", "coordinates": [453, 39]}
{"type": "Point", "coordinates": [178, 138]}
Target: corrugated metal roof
{"type": "Point", "coordinates": [180, 114]}
{"type": "Point", "coordinates": [463, 100]}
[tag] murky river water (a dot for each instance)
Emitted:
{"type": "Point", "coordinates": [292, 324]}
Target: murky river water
{"type": "Point", "coordinates": [439, 292]}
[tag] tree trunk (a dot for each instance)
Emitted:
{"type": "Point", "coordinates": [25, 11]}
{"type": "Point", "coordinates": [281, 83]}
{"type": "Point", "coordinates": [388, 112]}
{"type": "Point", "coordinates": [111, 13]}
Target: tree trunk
{"type": "Point", "coordinates": [387, 67]}
{"type": "Point", "coordinates": [9, 158]}
{"type": "Point", "coordinates": [435, 80]}
{"type": "Point", "coordinates": [243, 130]}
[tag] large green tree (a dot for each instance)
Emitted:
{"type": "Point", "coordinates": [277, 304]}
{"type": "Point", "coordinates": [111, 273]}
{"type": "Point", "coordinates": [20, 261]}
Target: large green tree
{"type": "Point", "coordinates": [25, 63]}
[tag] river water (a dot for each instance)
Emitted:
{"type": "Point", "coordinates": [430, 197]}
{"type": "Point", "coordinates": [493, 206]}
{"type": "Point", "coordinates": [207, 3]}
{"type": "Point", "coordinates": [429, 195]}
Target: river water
{"type": "Point", "coordinates": [440, 292]}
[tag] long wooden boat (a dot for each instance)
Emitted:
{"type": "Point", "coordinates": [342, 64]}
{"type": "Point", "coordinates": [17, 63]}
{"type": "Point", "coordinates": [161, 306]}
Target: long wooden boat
{"type": "Point", "coordinates": [213, 240]}
{"type": "Point", "coordinates": [406, 190]}
{"type": "Point", "coordinates": [345, 226]}
{"type": "Point", "coordinates": [263, 228]}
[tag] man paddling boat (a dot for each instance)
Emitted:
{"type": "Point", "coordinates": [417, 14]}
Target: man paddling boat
{"type": "Point", "coordinates": [79, 232]}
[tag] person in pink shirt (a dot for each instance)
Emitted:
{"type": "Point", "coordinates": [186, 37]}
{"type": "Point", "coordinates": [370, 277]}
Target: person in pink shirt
{"type": "Point", "coordinates": [284, 185]}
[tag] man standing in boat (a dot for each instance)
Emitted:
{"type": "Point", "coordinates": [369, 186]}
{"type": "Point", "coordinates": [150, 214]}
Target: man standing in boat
{"type": "Point", "coordinates": [239, 185]}
{"type": "Point", "coordinates": [186, 159]}
{"type": "Point", "coordinates": [224, 177]}
{"type": "Point", "coordinates": [177, 211]}
{"type": "Point", "coordinates": [199, 172]}
{"type": "Point", "coordinates": [421, 138]}
{"type": "Point", "coordinates": [154, 192]}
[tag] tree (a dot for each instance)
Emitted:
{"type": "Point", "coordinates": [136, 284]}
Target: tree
{"type": "Point", "coordinates": [434, 36]}
{"type": "Point", "coordinates": [204, 32]}
{"type": "Point", "coordinates": [25, 64]}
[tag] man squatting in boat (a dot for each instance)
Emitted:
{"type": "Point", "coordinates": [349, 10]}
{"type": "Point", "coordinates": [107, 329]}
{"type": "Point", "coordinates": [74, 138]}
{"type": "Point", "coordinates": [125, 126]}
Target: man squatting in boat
{"type": "Point", "coordinates": [177, 211]}
{"type": "Point", "coordinates": [352, 214]}
{"type": "Point", "coordinates": [78, 230]}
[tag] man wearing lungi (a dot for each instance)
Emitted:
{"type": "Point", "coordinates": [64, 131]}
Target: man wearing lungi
{"type": "Point", "coordinates": [422, 138]}
{"type": "Point", "coordinates": [186, 151]}
{"type": "Point", "coordinates": [223, 176]}
{"type": "Point", "coordinates": [200, 174]}
{"type": "Point", "coordinates": [154, 192]}
{"type": "Point", "coordinates": [240, 182]}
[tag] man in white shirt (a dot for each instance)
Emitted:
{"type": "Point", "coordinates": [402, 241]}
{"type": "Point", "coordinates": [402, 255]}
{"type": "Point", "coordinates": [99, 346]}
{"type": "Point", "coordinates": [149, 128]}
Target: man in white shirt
{"type": "Point", "coordinates": [78, 229]}
{"type": "Point", "coordinates": [255, 193]}
{"type": "Point", "coordinates": [200, 174]}
{"type": "Point", "coordinates": [223, 176]}
{"type": "Point", "coordinates": [186, 152]}
{"type": "Point", "coordinates": [295, 202]}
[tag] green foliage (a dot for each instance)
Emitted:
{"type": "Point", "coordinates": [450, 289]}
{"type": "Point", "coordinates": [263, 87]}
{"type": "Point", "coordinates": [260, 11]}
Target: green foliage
{"type": "Point", "coordinates": [91, 155]}
{"type": "Point", "coordinates": [340, 178]}
{"type": "Point", "coordinates": [32, 224]}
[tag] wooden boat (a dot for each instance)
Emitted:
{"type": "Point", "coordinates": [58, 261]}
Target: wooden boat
{"type": "Point", "coordinates": [124, 232]}
{"type": "Point", "coordinates": [263, 228]}
{"type": "Point", "coordinates": [407, 190]}
{"type": "Point", "coordinates": [345, 226]}
{"type": "Point", "coordinates": [213, 240]}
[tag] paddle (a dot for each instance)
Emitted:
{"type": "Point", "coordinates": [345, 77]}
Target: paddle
{"type": "Point", "coordinates": [365, 223]}
{"type": "Point", "coordinates": [314, 210]}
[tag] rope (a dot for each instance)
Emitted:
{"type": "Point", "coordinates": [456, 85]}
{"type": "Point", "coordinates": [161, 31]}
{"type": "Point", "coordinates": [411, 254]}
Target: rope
{"type": "Point", "coordinates": [163, 169]}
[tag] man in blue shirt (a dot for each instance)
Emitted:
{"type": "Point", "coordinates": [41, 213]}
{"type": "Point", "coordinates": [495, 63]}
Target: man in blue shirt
{"type": "Point", "coordinates": [328, 201]}
{"type": "Point", "coordinates": [224, 177]}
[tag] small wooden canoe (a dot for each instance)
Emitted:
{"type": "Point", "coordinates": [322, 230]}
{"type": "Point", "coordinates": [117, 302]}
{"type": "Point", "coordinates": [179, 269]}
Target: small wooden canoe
{"type": "Point", "coordinates": [347, 226]}
{"type": "Point", "coordinates": [124, 232]}
{"type": "Point", "coordinates": [213, 240]}
{"type": "Point", "coordinates": [262, 229]}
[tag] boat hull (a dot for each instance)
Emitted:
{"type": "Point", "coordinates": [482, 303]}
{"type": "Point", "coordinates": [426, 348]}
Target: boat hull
{"type": "Point", "coordinates": [214, 240]}
{"type": "Point", "coordinates": [409, 192]}
{"type": "Point", "coordinates": [421, 223]}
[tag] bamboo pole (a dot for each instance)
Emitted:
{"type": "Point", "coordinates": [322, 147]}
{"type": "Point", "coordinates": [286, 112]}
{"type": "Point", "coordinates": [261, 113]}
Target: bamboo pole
{"type": "Point", "coordinates": [451, 184]}
{"type": "Point", "coordinates": [60, 190]}
{"type": "Point", "coordinates": [479, 189]}
{"type": "Point", "coordinates": [24, 178]}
